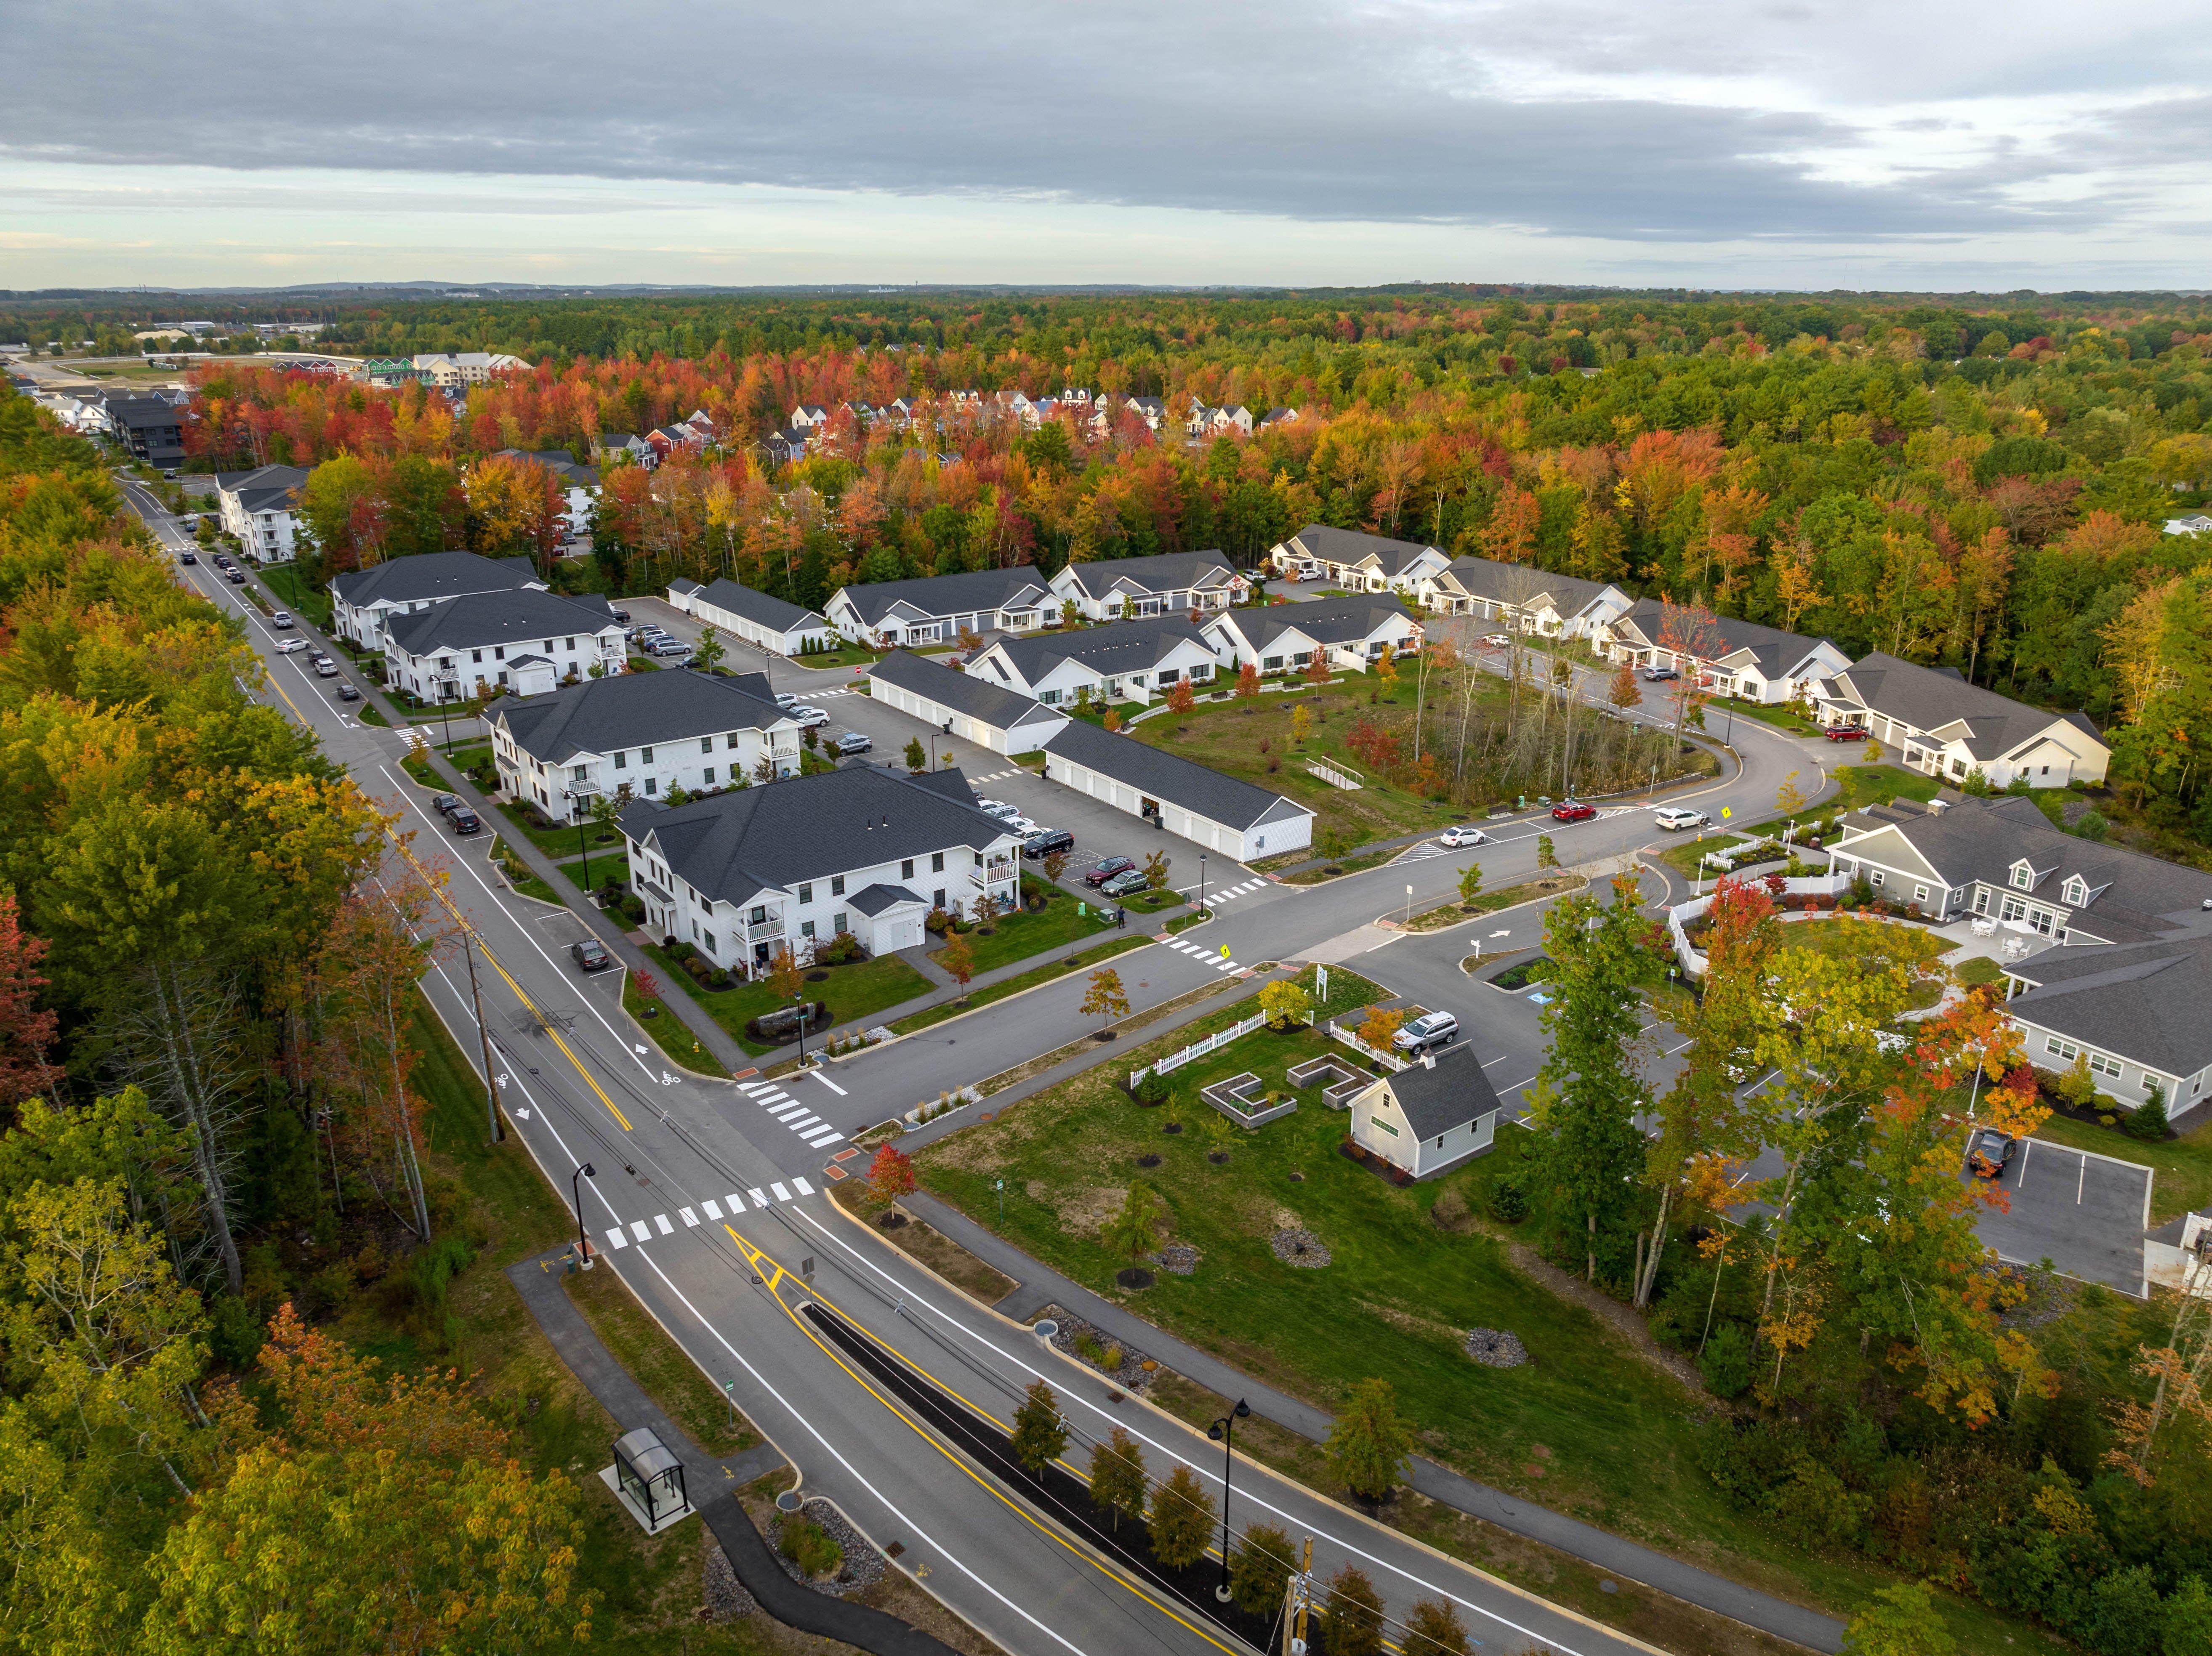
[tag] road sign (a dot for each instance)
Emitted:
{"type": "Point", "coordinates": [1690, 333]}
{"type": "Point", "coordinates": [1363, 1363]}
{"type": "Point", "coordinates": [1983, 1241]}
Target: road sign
{"type": "Point", "coordinates": [1726, 812]}
{"type": "Point", "coordinates": [1224, 951]}
{"type": "Point", "coordinates": [1321, 982]}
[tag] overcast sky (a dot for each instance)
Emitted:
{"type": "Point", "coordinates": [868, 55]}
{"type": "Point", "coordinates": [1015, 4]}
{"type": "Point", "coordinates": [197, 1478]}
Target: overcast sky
{"type": "Point", "coordinates": [1728, 144]}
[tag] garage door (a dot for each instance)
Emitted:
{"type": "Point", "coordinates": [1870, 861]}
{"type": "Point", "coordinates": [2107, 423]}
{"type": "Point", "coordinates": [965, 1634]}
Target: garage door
{"type": "Point", "coordinates": [904, 934]}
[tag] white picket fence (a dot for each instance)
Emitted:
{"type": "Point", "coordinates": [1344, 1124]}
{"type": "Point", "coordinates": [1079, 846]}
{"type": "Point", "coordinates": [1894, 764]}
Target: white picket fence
{"type": "Point", "coordinates": [1389, 1060]}
{"type": "Point", "coordinates": [1682, 916]}
{"type": "Point", "coordinates": [1212, 1043]}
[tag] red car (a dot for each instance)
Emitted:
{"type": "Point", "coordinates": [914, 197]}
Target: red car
{"type": "Point", "coordinates": [1570, 811]}
{"type": "Point", "coordinates": [1845, 733]}
{"type": "Point", "coordinates": [1107, 870]}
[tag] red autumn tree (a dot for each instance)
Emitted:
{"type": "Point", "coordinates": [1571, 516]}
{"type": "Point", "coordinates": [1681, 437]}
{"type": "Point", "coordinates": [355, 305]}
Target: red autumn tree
{"type": "Point", "coordinates": [890, 1175]}
{"type": "Point", "coordinates": [25, 1032]}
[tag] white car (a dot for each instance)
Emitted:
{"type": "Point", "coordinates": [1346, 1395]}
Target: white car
{"type": "Point", "coordinates": [1022, 825]}
{"type": "Point", "coordinates": [808, 717]}
{"type": "Point", "coordinates": [1462, 835]}
{"type": "Point", "coordinates": [1675, 818]}
{"type": "Point", "coordinates": [1496, 641]}
{"type": "Point", "coordinates": [291, 646]}
{"type": "Point", "coordinates": [998, 808]}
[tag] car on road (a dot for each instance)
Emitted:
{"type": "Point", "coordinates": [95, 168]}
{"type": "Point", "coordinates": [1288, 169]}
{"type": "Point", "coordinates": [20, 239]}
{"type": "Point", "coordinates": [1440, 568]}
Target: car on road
{"type": "Point", "coordinates": [1462, 834]}
{"type": "Point", "coordinates": [325, 668]}
{"type": "Point", "coordinates": [1675, 818]}
{"type": "Point", "coordinates": [1659, 674]}
{"type": "Point", "coordinates": [466, 821]}
{"type": "Point", "coordinates": [1496, 641]}
{"type": "Point", "coordinates": [445, 804]}
{"type": "Point", "coordinates": [349, 691]}
{"type": "Point", "coordinates": [235, 576]}
{"type": "Point", "coordinates": [1107, 870]}
{"type": "Point", "coordinates": [1846, 732]}
{"type": "Point", "coordinates": [809, 718]}
{"type": "Point", "coordinates": [291, 646]}
{"type": "Point", "coordinates": [281, 618]}
{"type": "Point", "coordinates": [1989, 1153]}
{"type": "Point", "coordinates": [1430, 1030]}
{"type": "Point", "coordinates": [852, 741]}
{"type": "Point", "coordinates": [1572, 810]}
{"type": "Point", "coordinates": [591, 955]}
{"type": "Point", "coordinates": [1127, 883]}
{"type": "Point", "coordinates": [1045, 842]}
{"type": "Point", "coordinates": [188, 557]}
{"type": "Point", "coordinates": [222, 560]}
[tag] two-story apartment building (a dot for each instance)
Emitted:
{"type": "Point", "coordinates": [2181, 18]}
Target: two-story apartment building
{"type": "Point", "coordinates": [1285, 638]}
{"type": "Point", "coordinates": [1524, 599]}
{"type": "Point", "coordinates": [938, 608]}
{"type": "Point", "coordinates": [449, 370]}
{"type": "Point", "coordinates": [261, 508]}
{"type": "Point", "coordinates": [760, 619]}
{"type": "Point", "coordinates": [1742, 659]}
{"type": "Point", "coordinates": [1135, 589]}
{"type": "Point", "coordinates": [445, 651]}
{"type": "Point", "coordinates": [1357, 563]}
{"type": "Point", "coordinates": [151, 427]}
{"type": "Point", "coordinates": [1129, 661]}
{"type": "Point", "coordinates": [1938, 723]}
{"type": "Point", "coordinates": [859, 850]}
{"type": "Point", "coordinates": [364, 600]}
{"type": "Point", "coordinates": [640, 736]}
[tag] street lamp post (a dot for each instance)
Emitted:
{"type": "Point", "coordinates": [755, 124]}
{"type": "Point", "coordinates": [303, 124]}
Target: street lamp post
{"type": "Point", "coordinates": [576, 1193]}
{"type": "Point", "coordinates": [580, 844]}
{"type": "Point", "coordinates": [1224, 1432]}
{"type": "Point", "coordinates": [798, 1001]}
{"type": "Point", "coordinates": [1201, 882]}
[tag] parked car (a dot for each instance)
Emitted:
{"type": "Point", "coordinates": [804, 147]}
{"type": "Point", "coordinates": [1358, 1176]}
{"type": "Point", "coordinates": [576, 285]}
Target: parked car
{"type": "Point", "coordinates": [1572, 810]}
{"type": "Point", "coordinates": [1107, 870]}
{"type": "Point", "coordinates": [851, 743]}
{"type": "Point", "coordinates": [291, 646]}
{"type": "Point", "coordinates": [349, 691]}
{"type": "Point", "coordinates": [997, 808]}
{"type": "Point", "coordinates": [325, 668]}
{"type": "Point", "coordinates": [623, 616]}
{"type": "Point", "coordinates": [1430, 1030]}
{"type": "Point", "coordinates": [1127, 883]}
{"type": "Point", "coordinates": [222, 560]}
{"type": "Point", "coordinates": [1045, 842]}
{"type": "Point", "coordinates": [809, 718]}
{"type": "Point", "coordinates": [1496, 641]}
{"type": "Point", "coordinates": [1655, 675]}
{"type": "Point", "coordinates": [1462, 835]}
{"type": "Point", "coordinates": [1675, 818]}
{"type": "Point", "coordinates": [591, 955]}
{"type": "Point", "coordinates": [1024, 825]}
{"type": "Point", "coordinates": [671, 647]}
{"type": "Point", "coordinates": [188, 557]}
{"type": "Point", "coordinates": [1845, 733]}
{"type": "Point", "coordinates": [785, 700]}
{"type": "Point", "coordinates": [235, 577]}
{"type": "Point", "coordinates": [466, 820]}
{"type": "Point", "coordinates": [445, 804]}
{"type": "Point", "coordinates": [281, 618]}
{"type": "Point", "coordinates": [1989, 1152]}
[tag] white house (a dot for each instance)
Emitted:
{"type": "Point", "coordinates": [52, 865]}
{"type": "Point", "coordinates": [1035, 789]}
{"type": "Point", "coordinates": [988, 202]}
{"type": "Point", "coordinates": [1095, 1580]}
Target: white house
{"type": "Point", "coordinates": [769, 623]}
{"type": "Point", "coordinates": [638, 736]}
{"type": "Point", "coordinates": [1941, 724]}
{"type": "Point", "coordinates": [1128, 661]}
{"type": "Point", "coordinates": [261, 508]}
{"type": "Point", "coordinates": [1201, 804]}
{"type": "Point", "coordinates": [363, 600]}
{"type": "Point", "coordinates": [2198, 525]}
{"type": "Point", "coordinates": [1742, 659]}
{"type": "Point", "coordinates": [1133, 589]}
{"type": "Point", "coordinates": [445, 651]}
{"type": "Point", "coordinates": [938, 608]}
{"type": "Point", "coordinates": [1522, 597]}
{"type": "Point", "coordinates": [448, 369]}
{"type": "Point", "coordinates": [859, 850]}
{"type": "Point", "coordinates": [1430, 1116]}
{"type": "Point", "coordinates": [1357, 563]}
{"type": "Point", "coordinates": [1284, 638]}
{"type": "Point", "coordinates": [611, 447]}
{"type": "Point", "coordinates": [961, 705]}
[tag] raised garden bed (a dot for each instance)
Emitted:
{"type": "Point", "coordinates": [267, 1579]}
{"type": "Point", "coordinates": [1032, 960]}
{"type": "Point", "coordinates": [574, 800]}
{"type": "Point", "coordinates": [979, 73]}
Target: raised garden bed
{"type": "Point", "coordinates": [1338, 1095]}
{"type": "Point", "coordinates": [1243, 1099]}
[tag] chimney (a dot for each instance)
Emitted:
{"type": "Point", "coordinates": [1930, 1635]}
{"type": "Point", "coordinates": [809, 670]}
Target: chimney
{"type": "Point", "coordinates": [1428, 1060]}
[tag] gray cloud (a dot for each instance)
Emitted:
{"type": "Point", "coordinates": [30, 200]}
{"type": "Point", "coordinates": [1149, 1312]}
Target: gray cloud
{"type": "Point", "coordinates": [1397, 112]}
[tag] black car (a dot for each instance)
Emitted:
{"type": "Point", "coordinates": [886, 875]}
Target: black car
{"type": "Point", "coordinates": [1047, 841]}
{"type": "Point", "coordinates": [187, 557]}
{"type": "Point", "coordinates": [591, 955]}
{"type": "Point", "coordinates": [223, 561]}
{"type": "Point", "coordinates": [466, 821]}
{"type": "Point", "coordinates": [623, 616]}
{"type": "Point", "coordinates": [1107, 870]}
{"type": "Point", "coordinates": [349, 691]}
{"type": "Point", "coordinates": [1991, 1153]}
{"type": "Point", "coordinates": [445, 804]}
{"type": "Point", "coordinates": [235, 577]}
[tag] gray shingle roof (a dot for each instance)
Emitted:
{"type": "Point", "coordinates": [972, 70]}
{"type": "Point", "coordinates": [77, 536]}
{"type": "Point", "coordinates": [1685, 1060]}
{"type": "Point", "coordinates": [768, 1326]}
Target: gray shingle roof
{"type": "Point", "coordinates": [773, 613]}
{"type": "Point", "coordinates": [809, 827]}
{"type": "Point", "coordinates": [2145, 1001]}
{"type": "Point", "coordinates": [947, 595]}
{"type": "Point", "coordinates": [878, 897]}
{"type": "Point", "coordinates": [1175, 781]}
{"type": "Point", "coordinates": [430, 576]}
{"type": "Point", "coordinates": [1520, 584]}
{"type": "Point", "coordinates": [1931, 698]}
{"type": "Point", "coordinates": [1128, 646]}
{"type": "Point", "coordinates": [476, 619]}
{"type": "Point", "coordinates": [1171, 572]}
{"type": "Point", "coordinates": [1772, 650]}
{"type": "Point", "coordinates": [1450, 1095]}
{"type": "Point", "coordinates": [1003, 709]}
{"type": "Point", "coordinates": [1328, 621]}
{"type": "Point", "coordinates": [1350, 546]}
{"type": "Point", "coordinates": [631, 710]}
{"type": "Point", "coordinates": [558, 461]}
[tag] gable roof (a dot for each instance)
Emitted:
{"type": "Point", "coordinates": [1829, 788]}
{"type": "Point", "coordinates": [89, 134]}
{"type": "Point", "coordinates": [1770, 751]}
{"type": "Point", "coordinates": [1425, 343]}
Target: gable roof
{"type": "Point", "coordinates": [630, 710]}
{"type": "Point", "coordinates": [1127, 646]}
{"type": "Point", "coordinates": [2144, 1001]}
{"type": "Point", "coordinates": [1435, 1099]}
{"type": "Point", "coordinates": [266, 488]}
{"type": "Point", "coordinates": [1169, 572]}
{"type": "Point", "coordinates": [558, 461]}
{"type": "Point", "coordinates": [1728, 639]}
{"type": "Point", "coordinates": [476, 619]}
{"type": "Point", "coordinates": [1162, 776]}
{"type": "Point", "coordinates": [930, 596]}
{"type": "Point", "coordinates": [1523, 584]}
{"type": "Point", "coordinates": [978, 698]}
{"type": "Point", "coordinates": [430, 576]}
{"type": "Point", "coordinates": [808, 828]}
{"type": "Point", "coordinates": [775, 614]}
{"type": "Point", "coordinates": [1349, 546]}
{"type": "Point", "coordinates": [1936, 698]}
{"type": "Point", "coordinates": [1328, 621]}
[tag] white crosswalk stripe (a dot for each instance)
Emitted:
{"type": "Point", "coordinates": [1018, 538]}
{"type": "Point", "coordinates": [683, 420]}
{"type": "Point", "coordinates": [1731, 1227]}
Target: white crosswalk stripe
{"type": "Point", "coordinates": [714, 1208]}
{"type": "Point", "coordinates": [801, 1185]}
{"type": "Point", "coordinates": [643, 1230]}
{"type": "Point", "coordinates": [791, 1113]}
{"type": "Point", "coordinates": [759, 1200]}
{"type": "Point", "coordinates": [666, 1230]}
{"type": "Point", "coordinates": [691, 1219]}
{"type": "Point", "coordinates": [639, 1226]}
{"type": "Point", "coordinates": [782, 1194]}
{"type": "Point", "coordinates": [615, 1238]}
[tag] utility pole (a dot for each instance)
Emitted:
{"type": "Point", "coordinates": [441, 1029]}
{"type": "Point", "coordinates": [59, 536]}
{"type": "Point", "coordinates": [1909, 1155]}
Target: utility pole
{"type": "Point", "coordinates": [1294, 1610]}
{"type": "Point", "coordinates": [484, 1034]}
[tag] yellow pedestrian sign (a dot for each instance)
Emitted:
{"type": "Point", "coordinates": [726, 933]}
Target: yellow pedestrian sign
{"type": "Point", "coordinates": [1726, 812]}
{"type": "Point", "coordinates": [1224, 951]}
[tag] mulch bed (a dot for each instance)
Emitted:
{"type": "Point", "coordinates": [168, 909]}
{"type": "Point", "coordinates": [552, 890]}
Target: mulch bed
{"type": "Point", "coordinates": [1494, 1348]}
{"type": "Point", "coordinates": [1130, 1376]}
{"type": "Point", "coordinates": [1301, 1248]}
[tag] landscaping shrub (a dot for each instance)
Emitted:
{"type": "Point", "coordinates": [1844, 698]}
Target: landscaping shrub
{"type": "Point", "coordinates": [632, 908]}
{"type": "Point", "coordinates": [1726, 1362]}
{"type": "Point", "coordinates": [1508, 1202]}
{"type": "Point", "coordinates": [810, 1546]}
{"type": "Point", "coordinates": [1152, 1090]}
{"type": "Point", "coordinates": [1449, 1212]}
{"type": "Point", "coordinates": [2147, 1120]}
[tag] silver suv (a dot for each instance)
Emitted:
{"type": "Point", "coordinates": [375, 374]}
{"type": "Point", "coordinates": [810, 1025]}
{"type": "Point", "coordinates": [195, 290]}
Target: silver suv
{"type": "Point", "coordinates": [1430, 1030]}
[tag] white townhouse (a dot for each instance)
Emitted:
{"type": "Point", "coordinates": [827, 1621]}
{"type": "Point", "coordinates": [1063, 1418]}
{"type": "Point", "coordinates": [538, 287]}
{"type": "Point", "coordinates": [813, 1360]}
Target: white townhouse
{"type": "Point", "coordinates": [364, 600]}
{"type": "Point", "coordinates": [612, 447]}
{"type": "Point", "coordinates": [1524, 599]}
{"type": "Point", "coordinates": [2113, 956]}
{"type": "Point", "coordinates": [261, 508]}
{"type": "Point", "coordinates": [859, 850]}
{"type": "Point", "coordinates": [1129, 661]}
{"type": "Point", "coordinates": [1357, 563]}
{"type": "Point", "coordinates": [1742, 659]}
{"type": "Point", "coordinates": [1284, 638]}
{"type": "Point", "coordinates": [1133, 589]}
{"type": "Point", "coordinates": [769, 623]}
{"type": "Point", "coordinates": [1433, 1114]}
{"type": "Point", "coordinates": [444, 653]}
{"type": "Point", "coordinates": [638, 736]}
{"type": "Point", "coordinates": [1941, 724]}
{"type": "Point", "coordinates": [449, 369]}
{"type": "Point", "coordinates": [808, 416]}
{"type": "Point", "coordinates": [961, 704]}
{"type": "Point", "coordinates": [579, 486]}
{"type": "Point", "coordinates": [938, 608]}
{"type": "Point", "coordinates": [1220, 812]}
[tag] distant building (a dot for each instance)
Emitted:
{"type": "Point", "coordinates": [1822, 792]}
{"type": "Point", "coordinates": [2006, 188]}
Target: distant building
{"type": "Point", "coordinates": [447, 370]}
{"type": "Point", "coordinates": [151, 427]}
{"type": "Point", "coordinates": [261, 508]}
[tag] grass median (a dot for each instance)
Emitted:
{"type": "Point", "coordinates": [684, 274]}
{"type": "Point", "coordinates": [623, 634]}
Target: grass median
{"type": "Point", "coordinates": [1119, 944]}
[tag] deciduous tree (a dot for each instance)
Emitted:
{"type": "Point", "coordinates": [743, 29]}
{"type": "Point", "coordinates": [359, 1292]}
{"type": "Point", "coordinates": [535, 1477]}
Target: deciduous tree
{"type": "Point", "coordinates": [1117, 1477]}
{"type": "Point", "coordinates": [1182, 1520]}
{"type": "Point", "coordinates": [1369, 1444]}
{"type": "Point", "coordinates": [1039, 1436]}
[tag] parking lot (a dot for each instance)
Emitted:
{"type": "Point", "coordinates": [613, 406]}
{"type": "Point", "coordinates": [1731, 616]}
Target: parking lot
{"type": "Point", "coordinates": [2085, 1213]}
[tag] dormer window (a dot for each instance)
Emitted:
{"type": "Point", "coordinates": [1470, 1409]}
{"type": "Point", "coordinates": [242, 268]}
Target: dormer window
{"type": "Point", "coordinates": [2077, 889]}
{"type": "Point", "coordinates": [2023, 877]}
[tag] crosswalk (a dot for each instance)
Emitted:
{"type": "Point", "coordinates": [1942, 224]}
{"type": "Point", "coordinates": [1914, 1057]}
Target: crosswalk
{"type": "Point", "coordinates": [1426, 851]}
{"type": "Point", "coordinates": [771, 1097]}
{"type": "Point", "coordinates": [1224, 894]}
{"type": "Point", "coordinates": [729, 1207]}
{"type": "Point", "coordinates": [1000, 776]}
{"type": "Point", "coordinates": [1205, 957]}
{"type": "Point", "coordinates": [824, 695]}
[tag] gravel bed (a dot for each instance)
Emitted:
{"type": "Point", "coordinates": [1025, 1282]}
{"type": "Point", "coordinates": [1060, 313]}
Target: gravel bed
{"type": "Point", "coordinates": [724, 1598]}
{"type": "Point", "coordinates": [1131, 1374]}
{"type": "Point", "coordinates": [1301, 1248]}
{"type": "Point", "coordinates": [1493, 1348]}
{"type": "Point", "coordinates": [863, 1566]}
{"type": "Point", "coordinates": [1179, 1257]}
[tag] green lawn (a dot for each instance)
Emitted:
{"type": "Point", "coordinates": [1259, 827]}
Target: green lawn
{"type": "Point", "coordinates": [670, 1033]}
{"type": "Point", "coordinates": [1120, 943]}
{"type": "Point", "coordinates": [1026, 933]}
{"type": "Point", "coordinates": [847, 658]}
{"type": "Point", "coordinates": [1877, 785]}
{"type": "Point", "coordinates": [1489, 902]}
{"type": "Point", "coordinates": [1877, 944]}
{"type": "Point", "coordinates": [556, 842]}
{"type": "Point", "coordinates": [1784, 717]}
{"type": "Point", "coordinates": [2183, 1165]}
{"type": "Point", "coordinates": [290, 586]}
{"type": "Point", "coordinates": [519, 875]}
{"type": "Point", "coordinates": [602, 863]}
{"type": "Point", "coordinates": [853, 992]}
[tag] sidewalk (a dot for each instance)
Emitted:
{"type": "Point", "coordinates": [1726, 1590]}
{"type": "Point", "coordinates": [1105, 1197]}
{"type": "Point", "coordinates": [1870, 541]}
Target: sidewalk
{"type": "Point", "coordinates": [711, 1483]}
{"type": "Point", "coordinates": [1040, 1286]}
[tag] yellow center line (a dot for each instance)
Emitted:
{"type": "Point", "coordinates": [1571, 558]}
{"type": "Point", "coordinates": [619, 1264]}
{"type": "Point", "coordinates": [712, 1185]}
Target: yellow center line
{"type": "Point", "coordinates": [775, 1274]}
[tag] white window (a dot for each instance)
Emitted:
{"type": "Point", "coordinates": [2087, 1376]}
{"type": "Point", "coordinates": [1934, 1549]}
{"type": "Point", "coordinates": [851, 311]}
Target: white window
{"type": "Point", "coordinates": [2065, 1049]}
{"type": "Point", "coordinates": [1920, 893]}
{"type": "Point", "coordinates": [806, 891]}
{"type": "Point", "coordinates": [2022, 876]}
{"type": "Point", "coordinates": [1873, 877]}
{"type": "Point", "coordinates": [2076, 890]}
{"type": "Point", "coordinates": [2103, 1065]}
{"type": "Point", "coordinates": [1981, 900]}
{"type": "Point", "coordinates": [2012, 909]}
